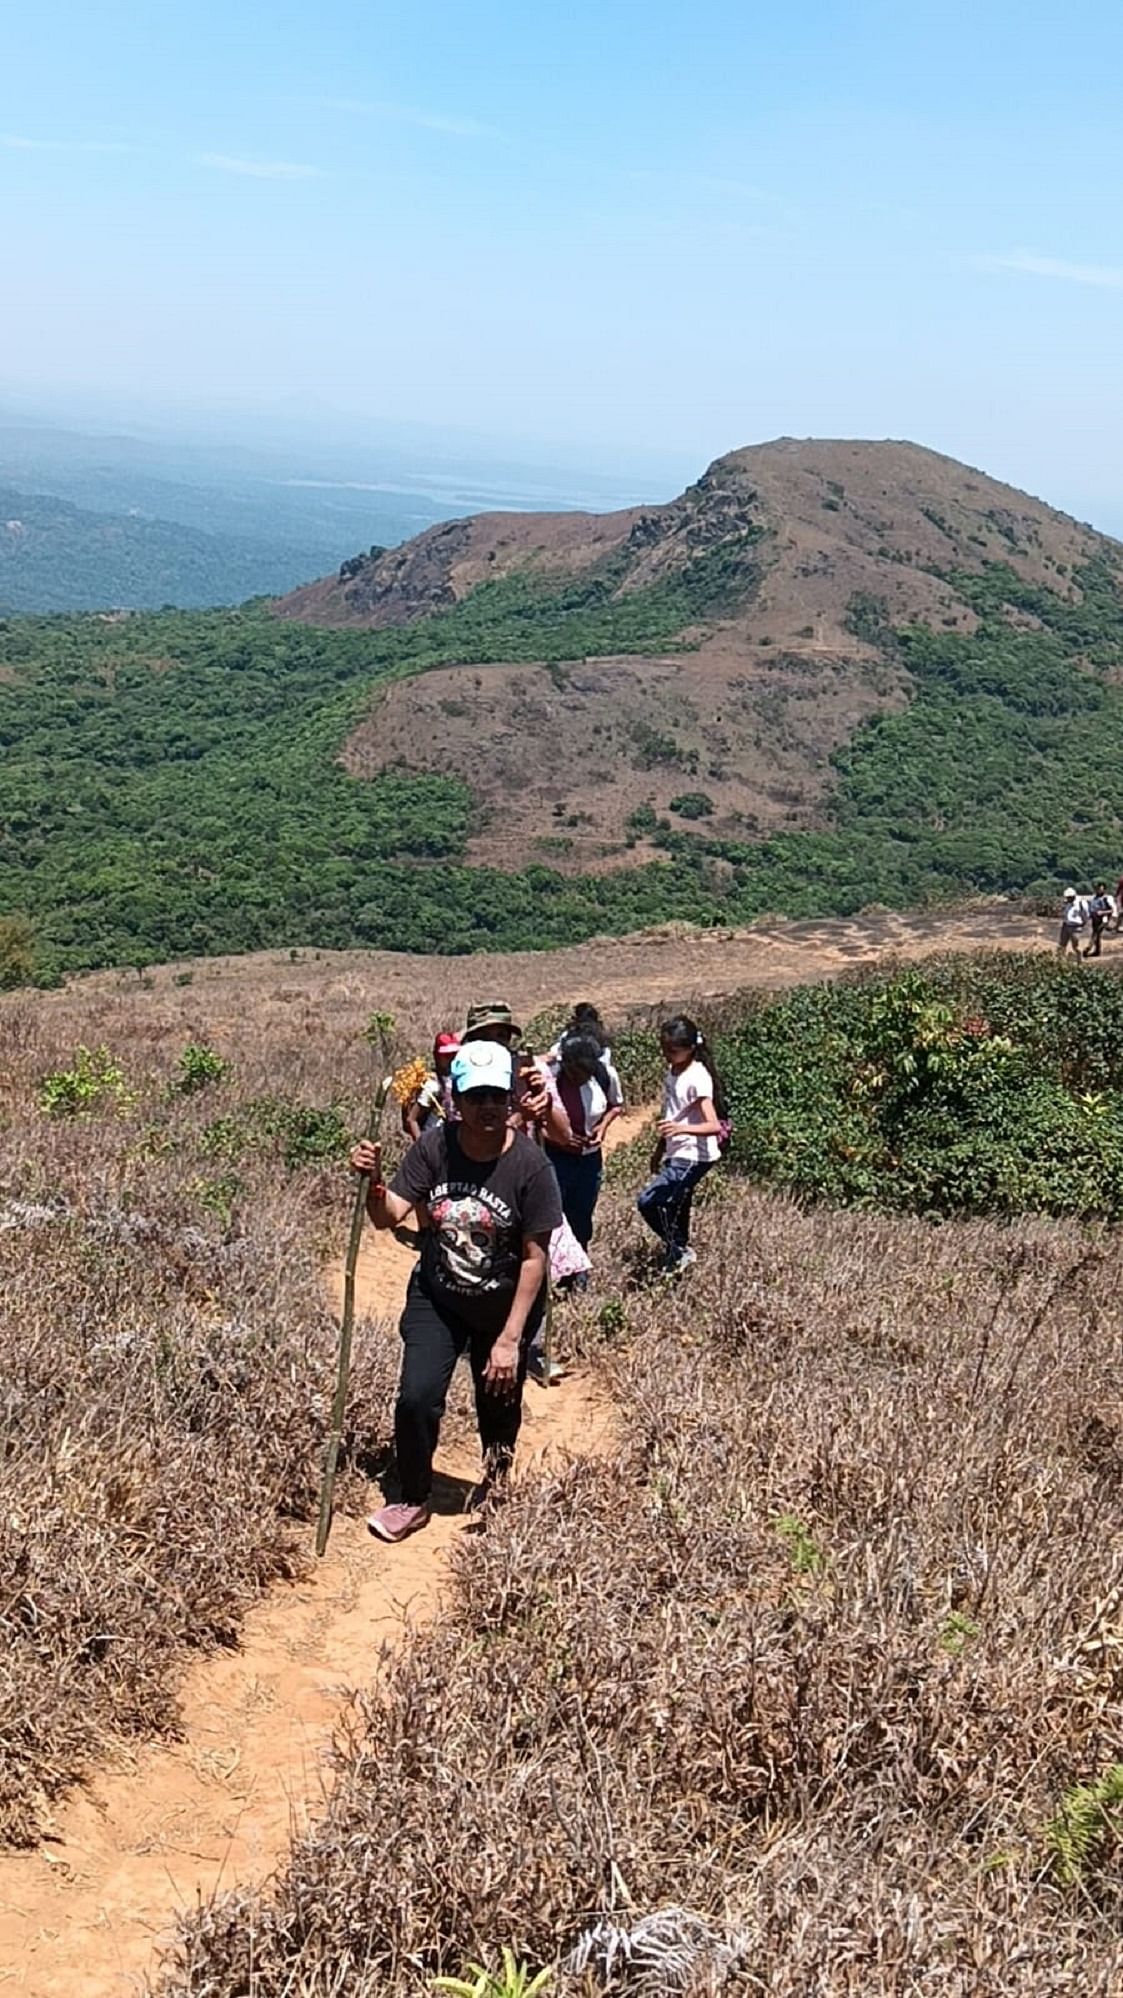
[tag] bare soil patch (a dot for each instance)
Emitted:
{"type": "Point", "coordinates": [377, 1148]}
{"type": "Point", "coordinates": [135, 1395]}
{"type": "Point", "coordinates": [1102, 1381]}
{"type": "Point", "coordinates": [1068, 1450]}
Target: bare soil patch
{"type": "Point", "coordinates": [572, 751]}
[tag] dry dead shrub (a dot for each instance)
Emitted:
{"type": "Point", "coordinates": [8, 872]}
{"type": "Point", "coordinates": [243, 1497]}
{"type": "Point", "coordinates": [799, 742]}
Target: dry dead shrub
{"type": "Point", "coordinates": [165, 1372]}
{"type": "Point", "coordinates": [813, 1657]}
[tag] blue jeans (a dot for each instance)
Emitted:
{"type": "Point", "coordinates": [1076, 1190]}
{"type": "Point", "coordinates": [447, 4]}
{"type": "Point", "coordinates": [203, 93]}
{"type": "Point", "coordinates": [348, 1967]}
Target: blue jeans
{"type": "Point", "coordinates": [579, 1176]}
{"type": "Point", "coordinates": [666, 1201]}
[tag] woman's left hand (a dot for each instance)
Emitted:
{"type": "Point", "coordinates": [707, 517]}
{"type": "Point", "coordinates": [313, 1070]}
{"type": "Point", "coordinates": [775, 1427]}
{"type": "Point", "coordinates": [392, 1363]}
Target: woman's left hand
{"type": "Point", "coordinates": [669, 1129]}
{"type": "Point", "coordinates": [501, 1373]}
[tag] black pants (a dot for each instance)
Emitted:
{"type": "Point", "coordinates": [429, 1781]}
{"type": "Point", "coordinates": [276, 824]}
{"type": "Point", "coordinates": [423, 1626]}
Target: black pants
{"type": "Point", "coordinates": [1095, 948]}
{"type": "Point", "coordinates": [579, 1176]}
{"type": "Point", "coordinates": [433, 1342]}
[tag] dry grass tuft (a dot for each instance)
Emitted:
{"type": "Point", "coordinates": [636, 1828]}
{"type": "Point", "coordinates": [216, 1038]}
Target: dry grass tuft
{"type": "Point", "coordinates": [815, 1658]}
{"type": "Point", "coordinates": [165, 1362]}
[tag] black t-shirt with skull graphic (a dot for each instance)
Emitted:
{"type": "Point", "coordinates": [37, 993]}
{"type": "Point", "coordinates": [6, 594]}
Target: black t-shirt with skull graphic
{"type": "Point", "coordinates": [480, 1212]}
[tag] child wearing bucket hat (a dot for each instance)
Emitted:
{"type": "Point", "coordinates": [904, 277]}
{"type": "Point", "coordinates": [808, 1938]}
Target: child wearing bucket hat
{"type": "Point", "coordinates": [488, 1203]}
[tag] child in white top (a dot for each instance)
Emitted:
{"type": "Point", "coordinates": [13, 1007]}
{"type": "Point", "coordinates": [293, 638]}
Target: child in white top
{"type": "Point", "coordinates": [690, 1127]}
{"type": "Point", "coordinates": [689, 1139]}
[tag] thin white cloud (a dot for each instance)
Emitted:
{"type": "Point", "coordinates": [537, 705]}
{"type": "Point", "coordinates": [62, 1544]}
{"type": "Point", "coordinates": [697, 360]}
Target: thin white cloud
{"type": "Point", "coordinates": [260, 169]}
{"type": "Point", "coordinates": [1106, 277]}
{"type": "Point", "coordinates": [408, 114]}
{"type": "Point", "coordinates": [15, 143]}
{"type": "Point", "coordinates": [706, 183]}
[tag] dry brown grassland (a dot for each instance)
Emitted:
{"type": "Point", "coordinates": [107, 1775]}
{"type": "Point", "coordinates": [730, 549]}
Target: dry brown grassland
{"type": "Point", "coordinates": [815, 1655]}
{"type": "Point", "coordinates": [166, 1348]}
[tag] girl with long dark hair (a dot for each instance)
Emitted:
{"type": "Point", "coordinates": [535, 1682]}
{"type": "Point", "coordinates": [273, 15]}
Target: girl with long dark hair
{"type": "Point", "coordinates": [690, 1130]}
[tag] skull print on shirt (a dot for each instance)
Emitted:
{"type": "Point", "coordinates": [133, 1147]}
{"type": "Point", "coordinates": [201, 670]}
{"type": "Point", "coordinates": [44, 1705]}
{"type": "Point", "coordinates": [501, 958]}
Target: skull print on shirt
{"type": "Point", "coordinates": [472, 1237]}
{"type": "Point", "coordinates": [465, 1231]}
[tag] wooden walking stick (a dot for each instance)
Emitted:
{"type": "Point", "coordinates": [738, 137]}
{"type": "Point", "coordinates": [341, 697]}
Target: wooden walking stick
{"type": "Point", "coordinates": [346, 1326]}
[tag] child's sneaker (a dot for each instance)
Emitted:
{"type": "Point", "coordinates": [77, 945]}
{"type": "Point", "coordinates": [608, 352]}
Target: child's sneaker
{"type": "Point", "coordinates": [686, 1261]}
{"type": "Point", "coordinates": [397, 1522]}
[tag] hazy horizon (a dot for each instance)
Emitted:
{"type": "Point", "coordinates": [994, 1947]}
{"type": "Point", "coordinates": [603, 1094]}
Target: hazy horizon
{"type": "Point", "coordinates": [459, 469]}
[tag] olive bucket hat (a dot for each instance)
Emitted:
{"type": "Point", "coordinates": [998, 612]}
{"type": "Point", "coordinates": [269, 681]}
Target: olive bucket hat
{"type": "Point", "coordinates": [486, 1019]}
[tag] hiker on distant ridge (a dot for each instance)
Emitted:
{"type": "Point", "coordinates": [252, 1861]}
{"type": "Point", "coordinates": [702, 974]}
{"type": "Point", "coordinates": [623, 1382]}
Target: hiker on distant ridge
{"type": "Point", "coordinates": [1074, 918]}
{"type": "Point", "coordinates": [488, 1203]}
{"type": "Point", "coordinates": [1100, 907]}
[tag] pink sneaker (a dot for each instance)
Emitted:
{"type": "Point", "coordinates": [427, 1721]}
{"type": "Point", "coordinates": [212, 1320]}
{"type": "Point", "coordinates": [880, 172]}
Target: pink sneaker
{"type": "Point", "coordinates": [397, 1522]}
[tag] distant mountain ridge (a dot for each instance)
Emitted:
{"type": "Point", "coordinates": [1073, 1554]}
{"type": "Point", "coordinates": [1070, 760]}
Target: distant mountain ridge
{"type": "Point", "coordinates": [59, 557]}
{"type": "Point", "coordinates": [826, 676]}
{"type": "Point", "coordinates": [833, 517]}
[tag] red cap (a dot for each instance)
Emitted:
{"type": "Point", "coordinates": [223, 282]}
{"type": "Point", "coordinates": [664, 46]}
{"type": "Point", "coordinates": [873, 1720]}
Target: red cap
{"type": "Point", "coordinates": [446, 1043]}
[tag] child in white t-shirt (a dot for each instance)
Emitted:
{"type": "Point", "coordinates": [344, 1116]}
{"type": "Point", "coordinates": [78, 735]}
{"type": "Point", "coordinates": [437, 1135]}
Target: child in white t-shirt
{"type": "Point", "coordinates": [689, 1139]}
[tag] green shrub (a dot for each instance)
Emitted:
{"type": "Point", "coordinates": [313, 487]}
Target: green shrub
{"type": "Point", "coordinates": [512, 1980]}
{"type": "Point", "coordinates": [18, 956]}
{"type": "Point", "coordinates": [299, 1134]}
{"type": "Point", "coordinates": [94, 1080]}
{"type": "Point", "coordinates": [805, 1553]}
{"type": "Point", "coordinates": [693, 805]}
{"type": "Point", "coordinates": [984, 1085]}
{"type": "Point", "coordinates": [219, 1195]}
{"type": "Point", "coordinates": [639, 1062]}
{"type": "Point", "coordinates": [542, 1030]}
{"type": "Point", "coordinates": [379, 1031]}
{"type": "Point", "coordinates": [1090, 1818]}
{"type": "Point", "coordinates": [307, 1135]}
{"type": "Point", "coordinates": [198, 1067]}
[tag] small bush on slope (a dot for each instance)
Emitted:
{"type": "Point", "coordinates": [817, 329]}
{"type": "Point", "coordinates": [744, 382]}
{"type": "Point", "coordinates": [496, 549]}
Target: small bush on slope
{"type": "Point", "coordinates": [644, 1697]}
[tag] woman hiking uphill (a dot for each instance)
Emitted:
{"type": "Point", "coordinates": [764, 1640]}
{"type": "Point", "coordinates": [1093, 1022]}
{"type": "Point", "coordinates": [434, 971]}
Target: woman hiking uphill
{"type": "Point", "coordinates": [585, 1019]}
{"type": "Point", "coordinates": [584, 1099]}
{"type": "Point", "coordinates": [690, 1131]}
{"type": "Point", "coordinates": [488, 1203]}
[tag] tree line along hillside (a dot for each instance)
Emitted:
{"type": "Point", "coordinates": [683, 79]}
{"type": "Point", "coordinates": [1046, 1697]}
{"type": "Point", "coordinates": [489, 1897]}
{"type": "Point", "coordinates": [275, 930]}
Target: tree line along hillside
{"type": "Point", "coordinates": [170, 782]}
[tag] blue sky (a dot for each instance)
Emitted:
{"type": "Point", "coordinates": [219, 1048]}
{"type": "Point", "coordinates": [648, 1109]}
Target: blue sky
{"type": "Point", "coordinates": [637, 231]}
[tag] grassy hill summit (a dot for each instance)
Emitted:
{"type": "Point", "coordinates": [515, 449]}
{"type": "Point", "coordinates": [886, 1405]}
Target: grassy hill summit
{"type": "Point", "coordinates": [779, 572]}
{"type": "Point", "coordinates": [779, 530]}
{"type": "Point", "coordinates": [829, 674]}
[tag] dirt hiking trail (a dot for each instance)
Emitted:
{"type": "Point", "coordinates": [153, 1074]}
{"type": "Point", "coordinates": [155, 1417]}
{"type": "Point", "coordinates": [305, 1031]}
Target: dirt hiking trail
{"type": "Point", "coordinates": [85, 1914]}
{"type": "Point", "coordinates": [680, 964]}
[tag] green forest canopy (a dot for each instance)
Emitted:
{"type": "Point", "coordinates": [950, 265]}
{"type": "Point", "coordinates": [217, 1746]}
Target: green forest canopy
{"type": "Point", "coordinates": [169, 783]}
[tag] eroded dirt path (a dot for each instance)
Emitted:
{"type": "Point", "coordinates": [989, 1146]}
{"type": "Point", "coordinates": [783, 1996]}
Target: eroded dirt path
{"type": "Point", "coordinates": [86, 1913]}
